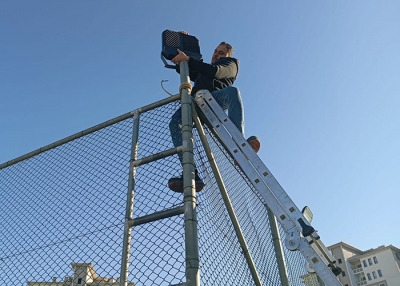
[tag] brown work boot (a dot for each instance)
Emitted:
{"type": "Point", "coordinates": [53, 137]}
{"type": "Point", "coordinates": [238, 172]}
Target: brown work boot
{"type": "Point", "coordinates": [254, 143]}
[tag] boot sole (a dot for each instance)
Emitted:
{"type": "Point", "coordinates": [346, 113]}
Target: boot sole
{"type": "Point", "coordinates": [177, 187]}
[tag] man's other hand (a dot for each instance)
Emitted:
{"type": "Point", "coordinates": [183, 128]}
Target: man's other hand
{"type": "Point", "coordinates": [180, 57]}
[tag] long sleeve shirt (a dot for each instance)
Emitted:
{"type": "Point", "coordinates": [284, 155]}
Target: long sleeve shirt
{"type": "Point", "coordinates": [214, 76]}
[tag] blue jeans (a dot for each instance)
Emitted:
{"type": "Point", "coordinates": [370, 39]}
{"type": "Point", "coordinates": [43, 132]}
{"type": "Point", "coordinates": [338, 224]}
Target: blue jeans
{"type": "Point", "coordinates": [228, 98]}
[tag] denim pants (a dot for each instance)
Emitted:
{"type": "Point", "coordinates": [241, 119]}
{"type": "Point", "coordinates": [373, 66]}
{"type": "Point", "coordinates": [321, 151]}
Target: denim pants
{"type": "Point", "coordinates": [228, 98]}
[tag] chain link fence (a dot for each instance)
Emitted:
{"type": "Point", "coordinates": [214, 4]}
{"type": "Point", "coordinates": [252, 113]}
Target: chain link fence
{"type": "Point", "coordinates": [63, 212]}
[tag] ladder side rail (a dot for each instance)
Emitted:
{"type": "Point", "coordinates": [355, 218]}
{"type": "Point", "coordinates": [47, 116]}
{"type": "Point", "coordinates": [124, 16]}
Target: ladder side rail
{"type": "Point", "coordinates": [251, 174]}
{"type": "Point", "coordinates": [291, 209]}
{"type": "Point", "coordinates": [310, 253]}
{"type": "Point", "coordinates": [289, 206]}
{"type": "Point", "coordinates": [319, 247]}
{"type": "Point", "coordinates": [315, 258]}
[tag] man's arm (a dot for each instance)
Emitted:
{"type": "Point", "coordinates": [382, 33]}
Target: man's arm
{"type": "Point", "coordinates": [223, 68]}
{"type": "Point", "coordinates": [180, 58]}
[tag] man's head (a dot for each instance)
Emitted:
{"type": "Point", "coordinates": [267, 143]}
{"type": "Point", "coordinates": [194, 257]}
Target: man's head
{"type": "Point", "coordinates": [222, 51]}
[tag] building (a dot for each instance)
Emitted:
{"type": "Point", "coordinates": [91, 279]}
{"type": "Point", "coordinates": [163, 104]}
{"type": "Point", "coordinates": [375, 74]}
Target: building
{"type": "Point", "coordinates": [84, 275]}
{"type": "Point", "coordinates": [374, 267]}
{"type": "Point", "coordinates": [311, 279]}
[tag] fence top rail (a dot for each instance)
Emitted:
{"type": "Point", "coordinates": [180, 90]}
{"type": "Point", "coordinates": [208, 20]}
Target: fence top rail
{"type": "Point", "coordinates": [91, 130]}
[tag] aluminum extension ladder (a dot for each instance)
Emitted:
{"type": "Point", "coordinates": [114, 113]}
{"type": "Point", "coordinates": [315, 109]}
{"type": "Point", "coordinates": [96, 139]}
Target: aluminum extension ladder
{"type": "Point", "coordinates": [300, 235]}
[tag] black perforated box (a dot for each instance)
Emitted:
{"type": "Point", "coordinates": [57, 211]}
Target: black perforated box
{"type": "Point", "coordinates": [171, 41]}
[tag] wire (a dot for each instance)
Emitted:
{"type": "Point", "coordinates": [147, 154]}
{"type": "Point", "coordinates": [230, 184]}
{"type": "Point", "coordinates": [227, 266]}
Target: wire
{"type": "Point", "coordinates": [162, 86]}
{"type": "Point", "coordinates": [58, 242]}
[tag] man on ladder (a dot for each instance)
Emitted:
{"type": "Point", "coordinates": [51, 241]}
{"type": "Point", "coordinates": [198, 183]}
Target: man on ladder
{"type": "Point", "coordinates": [218, 78]}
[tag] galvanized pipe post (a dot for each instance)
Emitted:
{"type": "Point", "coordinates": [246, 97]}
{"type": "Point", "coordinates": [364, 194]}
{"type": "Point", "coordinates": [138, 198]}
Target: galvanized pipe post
{"type": "Point", "coordinates": [189, 191]}
{"type": "Point", "coordinates": [126, 246]}
{"type": "Point", "coordinates": [280, 258]}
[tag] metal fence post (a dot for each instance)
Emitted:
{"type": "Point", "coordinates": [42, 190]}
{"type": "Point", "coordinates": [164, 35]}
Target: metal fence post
{"type": "Point", "coordinates": [189, 192]}
{"type": "Point", "coordinates": [126, 246]}
{"type": "Point", "coordinates": [278, 248]}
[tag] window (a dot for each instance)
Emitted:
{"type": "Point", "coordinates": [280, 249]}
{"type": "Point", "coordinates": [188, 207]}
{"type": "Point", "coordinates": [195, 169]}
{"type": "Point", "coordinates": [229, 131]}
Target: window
{"type": "Point", "coordinates": [380, 273]}
{"type": "Point", "coordinates": [374, 274]}
{"type": "Point", "coordinates": [398, 256]}
{"type": "Point", "coordinates": [343, 273]}
{"type": "Point", "coordinates": [340, 261]}
{"type": "Point", "coordinates": [79, 281]}
{"type": "Point", "coordinates": [369, 261]}
{"type": "Point", "coordinates": [369, 276]}
{"type": "Point", "coordinates": [375, 260]}
{"type": "Point", "coordinates": [365, 263]}
{"type": "Point", "coordinates": [382, 284]}
{"type": "Point", "coordinates": [346, 284]}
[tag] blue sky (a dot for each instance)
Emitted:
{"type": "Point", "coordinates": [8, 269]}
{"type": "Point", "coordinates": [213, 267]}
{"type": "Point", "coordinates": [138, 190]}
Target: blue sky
{"type": "Point", "coordinates": [319, 80]}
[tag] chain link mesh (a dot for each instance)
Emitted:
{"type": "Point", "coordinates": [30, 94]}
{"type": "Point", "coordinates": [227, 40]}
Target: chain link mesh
{"type": "Point", "coordinates": [65, 206]}
{"type": "Point", "coordinates": [253, 218]}
{"type": "Point", "coordinates": [63, 214]}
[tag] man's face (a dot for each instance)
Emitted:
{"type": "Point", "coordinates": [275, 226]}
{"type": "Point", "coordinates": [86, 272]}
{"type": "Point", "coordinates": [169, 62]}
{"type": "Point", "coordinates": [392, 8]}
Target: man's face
{"type": "Point", "coordinates": [220, 52]}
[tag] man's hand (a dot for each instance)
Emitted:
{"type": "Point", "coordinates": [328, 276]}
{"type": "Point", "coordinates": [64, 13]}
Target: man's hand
{"type": "Point", "coordinates": [180, 57]}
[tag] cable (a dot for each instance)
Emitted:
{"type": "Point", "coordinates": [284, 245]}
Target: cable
{"type": "Point", "coordinates": [165, 80]}
{"type": "Point", "coordinates": [58, 242]}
